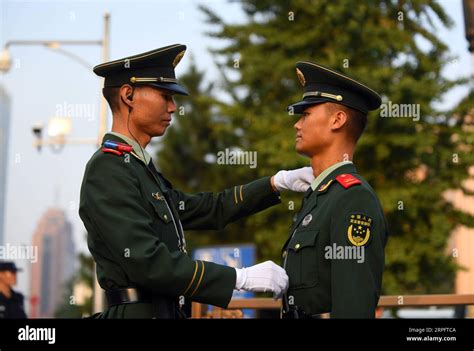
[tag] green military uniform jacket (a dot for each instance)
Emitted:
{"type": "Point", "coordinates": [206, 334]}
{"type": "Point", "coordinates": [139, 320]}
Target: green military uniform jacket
{"type": "Point", "coordinates": [135, 221]}
{"type": "Point", "coordinates": [323, 255]}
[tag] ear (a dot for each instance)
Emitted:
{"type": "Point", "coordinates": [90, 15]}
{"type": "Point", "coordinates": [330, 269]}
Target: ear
{"type": "Point", "coordinates": [126, 92]}
{"type": "Point", "coordinates": [338, 119]}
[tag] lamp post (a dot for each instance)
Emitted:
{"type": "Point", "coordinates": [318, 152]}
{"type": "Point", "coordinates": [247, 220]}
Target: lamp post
{"type": "Point", "coordinates": [57, 135]}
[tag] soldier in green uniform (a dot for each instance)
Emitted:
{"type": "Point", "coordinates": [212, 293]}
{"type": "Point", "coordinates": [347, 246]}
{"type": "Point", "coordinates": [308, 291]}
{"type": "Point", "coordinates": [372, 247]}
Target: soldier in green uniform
{"type": "Point", "coordinates": [334, 256]}
{"type": "Point", "coordinates": [135, 219]}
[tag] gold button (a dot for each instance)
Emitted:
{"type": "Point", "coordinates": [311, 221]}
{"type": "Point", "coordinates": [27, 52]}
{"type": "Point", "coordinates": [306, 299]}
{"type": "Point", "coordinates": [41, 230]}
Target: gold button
{"type": "Point", "coordinates": [297, 246]}
{"type": "Point", "coordinates": [284, 254]}
{"type": "Point", "coordinates": [165, 217]}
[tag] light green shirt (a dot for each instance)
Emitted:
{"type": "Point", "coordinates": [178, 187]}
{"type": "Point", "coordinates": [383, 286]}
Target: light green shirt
{"type": "Point", "coordinates": [317, 181]}
{"type": "Point", "coordinates": [137, 149]}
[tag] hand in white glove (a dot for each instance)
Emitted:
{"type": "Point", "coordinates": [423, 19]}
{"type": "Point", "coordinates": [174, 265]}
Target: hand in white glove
{"type": "Point", "coordinates": [263, 277]}
{"type": "Point", "coordinates": [298, 180]}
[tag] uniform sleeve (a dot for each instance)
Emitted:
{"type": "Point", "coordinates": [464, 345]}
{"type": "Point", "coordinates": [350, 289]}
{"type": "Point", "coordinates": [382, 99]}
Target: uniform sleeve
{"type": "Point", "coordinates": [113, 206]}
{"type": "Point", "coordinates": [209, 210]}
{"type": "Point", "coordinates": [358, 228]}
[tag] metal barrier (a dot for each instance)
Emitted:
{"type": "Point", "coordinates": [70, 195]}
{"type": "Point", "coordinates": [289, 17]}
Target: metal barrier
{"type": "Point", "coordinates": [235, 306]}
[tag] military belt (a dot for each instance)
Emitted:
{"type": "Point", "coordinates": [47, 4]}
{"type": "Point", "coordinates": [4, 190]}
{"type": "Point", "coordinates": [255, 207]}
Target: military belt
{"type": "Point", "coordinates": [126, 296]}
{"type": "Point", "coordinates": [298, 313]}
{"type": "Point", "coordinates": [162, 307]}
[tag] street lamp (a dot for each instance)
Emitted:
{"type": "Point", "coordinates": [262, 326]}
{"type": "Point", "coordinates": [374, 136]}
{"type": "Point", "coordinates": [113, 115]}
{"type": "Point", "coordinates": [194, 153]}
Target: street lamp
{"type": "Point", "coordinates": [61, 140]}
{"type": "Point", "coordinates": [5, 60]}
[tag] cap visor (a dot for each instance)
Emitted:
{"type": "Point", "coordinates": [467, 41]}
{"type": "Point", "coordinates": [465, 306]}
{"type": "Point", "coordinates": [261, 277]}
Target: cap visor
{"type": "Point", "coordinates": [14, 270]}
{"type": "Point", "coordinates": [174, 87]}
{"type": "Point", "coordinates": [300, 107]}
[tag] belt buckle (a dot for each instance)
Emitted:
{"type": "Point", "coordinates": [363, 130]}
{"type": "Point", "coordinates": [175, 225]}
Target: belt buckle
{"type": "Point", "coordinates": [292, 313]}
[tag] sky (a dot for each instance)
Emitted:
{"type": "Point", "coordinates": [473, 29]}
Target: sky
{"type": "Point", "coordinates": [42, 82]}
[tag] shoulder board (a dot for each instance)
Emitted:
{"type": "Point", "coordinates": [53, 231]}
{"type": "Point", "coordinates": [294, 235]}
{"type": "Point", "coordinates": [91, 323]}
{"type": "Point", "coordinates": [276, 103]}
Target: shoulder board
{"type": "Point", "coordinates": [111, 151]}
{"type": "Point", "coordinates": [347, 180]}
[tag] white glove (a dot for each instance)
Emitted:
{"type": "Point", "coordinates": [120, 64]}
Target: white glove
{"type": "Point", "coordinates": [298, 180]}
{"type": "Point", "coordinates": [263, 277]}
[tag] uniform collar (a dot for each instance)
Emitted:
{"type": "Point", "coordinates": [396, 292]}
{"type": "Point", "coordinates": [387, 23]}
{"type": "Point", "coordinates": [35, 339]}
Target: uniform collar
{"type": "Point", "coordinates": [139, 152]}
{"type": "Point", "coordinates": [323, 175]}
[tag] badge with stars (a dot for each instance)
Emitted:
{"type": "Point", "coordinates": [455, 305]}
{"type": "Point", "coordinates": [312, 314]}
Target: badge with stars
{"type": "Point", "coordinates": [359, 230]}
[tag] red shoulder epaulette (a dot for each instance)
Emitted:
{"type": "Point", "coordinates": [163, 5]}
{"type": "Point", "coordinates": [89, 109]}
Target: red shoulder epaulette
{"type": "Point", "coordinates": [112, 151]}
{"type": "Point", "coordinates": [116, 148]}
{"type": "Point", "coordinates": [347, 180]}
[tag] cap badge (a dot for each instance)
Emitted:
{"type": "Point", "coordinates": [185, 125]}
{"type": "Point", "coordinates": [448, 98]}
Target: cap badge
{"type": "Point", "coordinates": [301, 77]}
{"type": "Point", "coordinates": [178, 58]}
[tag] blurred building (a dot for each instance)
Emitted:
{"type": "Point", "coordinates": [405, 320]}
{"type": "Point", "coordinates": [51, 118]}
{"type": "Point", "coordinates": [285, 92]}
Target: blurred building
{"type": "Point", "coordinates": [4, 132]}
{"type": "Point", "coordinates": [55, 265]}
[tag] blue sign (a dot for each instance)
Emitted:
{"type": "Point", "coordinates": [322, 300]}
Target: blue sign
{"type": "Point", "coordinates": [236, 256]}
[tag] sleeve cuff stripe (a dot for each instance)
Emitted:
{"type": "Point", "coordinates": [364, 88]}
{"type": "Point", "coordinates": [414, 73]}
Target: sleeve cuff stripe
{"type": "Point", "coordinates": [200, 279]}
{"type": "Point", "coordinates": [235, 194]}
{"type": "Point", "coordinates": [192, 280]}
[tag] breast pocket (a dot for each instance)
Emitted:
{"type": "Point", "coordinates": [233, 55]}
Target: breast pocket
{"type": "Point", "coordinates": [162, 211]}
{"type": "Point", "coordinates": [301, 264]}
{"type": "Point", "coordinates": [163, 225]}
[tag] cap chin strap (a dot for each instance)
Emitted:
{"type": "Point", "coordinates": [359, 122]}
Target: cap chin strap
{"type": "Point", "coordinates": [153, 80]}
{"type": "Point", "coordinates": [326, 95]}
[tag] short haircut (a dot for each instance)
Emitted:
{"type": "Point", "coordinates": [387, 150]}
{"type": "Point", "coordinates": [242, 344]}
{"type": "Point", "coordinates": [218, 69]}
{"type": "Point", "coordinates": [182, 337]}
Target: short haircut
{"type": "Point", "coordinates": [111, 94]}
{"type": "Point", "coordinates": [356, 121]}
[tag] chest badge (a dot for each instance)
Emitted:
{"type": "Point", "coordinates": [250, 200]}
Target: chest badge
{"type": "Point", "coordinates": [307, 220]}
{"type": "Point", "coordinates": [157, 196]}
{"type": "Point", "coordinates": [359, 229]}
